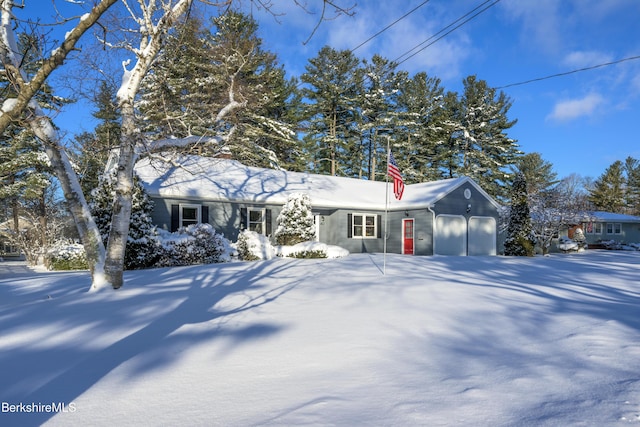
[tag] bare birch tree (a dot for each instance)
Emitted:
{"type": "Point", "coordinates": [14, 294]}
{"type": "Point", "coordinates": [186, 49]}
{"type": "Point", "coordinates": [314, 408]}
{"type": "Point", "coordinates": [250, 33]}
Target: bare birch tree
{"type": "Point", "coordinates": [152, 20]}
{"type": "Point", "coordinates": [22, 108]}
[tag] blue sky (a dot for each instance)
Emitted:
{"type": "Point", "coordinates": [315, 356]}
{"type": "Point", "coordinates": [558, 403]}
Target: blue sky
{"type": "Point", "coordinates": [581, 122]}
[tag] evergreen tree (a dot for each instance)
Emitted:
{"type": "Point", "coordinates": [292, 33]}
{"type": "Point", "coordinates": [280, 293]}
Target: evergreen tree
{"type": "Point", "coordinates": [142, 243]}
{"type": "Point", "coordinates": [332, 84]}
{"type": "Point", "coordinates": [182, 98]}
{"type": "Point", "coordinates": [25, 174]}
{"type": "Point", "coordinates": [175, 96]}
{"type": "Point", "coordinates": [485, 148]}
{"type": "Point", "coordinates": [538, 173]}
{"type": "Point", "coordinates": [378, 113]}
{"type": "Point", "coordinates": [607, 193]}
{"type": "Point", "coordinates": [632, 189]}
{"type": "Point", "coordinates": [449, 142]}
{"type": "Point", "coordinates": [519, 241]}
{"type": "Point", "coordinates": [419, 130]}
{"type": "Point", "coordinates": [550, 208]}
{"type": "Point", "coordinates": [263, 135]}
{"type": "Point", "coordinates": [295, 221]}
{"type": "Point", "coordinates": [93, 149]}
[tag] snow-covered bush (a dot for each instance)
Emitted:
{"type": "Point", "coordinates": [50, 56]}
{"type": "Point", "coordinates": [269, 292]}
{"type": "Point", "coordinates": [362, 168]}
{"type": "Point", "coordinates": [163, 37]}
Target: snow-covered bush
{"type": "Point", "coordinates": [195, 244]}
{"type": "Point", "coordinates": [311, 250]}
{"type": "Point", "coordinates": [69, 256]}
{"type": "Point", "coordinates": [619, 246]}
{"type": "Point", "coordinates": [252, 246]}
{"type": "Point", "coordinates": [142, 242]}
{"type": "Point", "coordinates": [295, 221]}
{"type": "Point", "coordinates": [579, 238]}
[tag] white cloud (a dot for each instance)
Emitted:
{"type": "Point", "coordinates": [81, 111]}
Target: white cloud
{"type": "Point", "coordinates": [541, 22]}
{"type": "Point", "coordinates": [586, 58]}
{"type": "Point", "coordinates": [572, 109]}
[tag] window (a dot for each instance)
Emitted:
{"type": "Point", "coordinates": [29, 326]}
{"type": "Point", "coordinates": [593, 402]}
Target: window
{"type": "Point", "coordinates": [256, 219]}
{"type": "Point", "coordinates": [614, 228]}
{"type": "Point", "coordinates": [189, 215]}
{"type": "Point", "coordinates": [593, 228]}
{"type": "Point", "coordinates": [364, 226]}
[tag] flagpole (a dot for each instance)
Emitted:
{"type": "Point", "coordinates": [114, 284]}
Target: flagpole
{"type": "Point", "coordinates": [386, 213]}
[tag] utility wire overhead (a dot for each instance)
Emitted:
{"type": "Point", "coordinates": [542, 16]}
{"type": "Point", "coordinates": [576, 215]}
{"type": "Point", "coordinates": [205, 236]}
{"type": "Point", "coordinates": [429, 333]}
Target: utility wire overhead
{"type": "Point", "coordinates": [566, 73]}
{"type": "Point", "coordinates": [447, 32]}
{"type": "Point", "coordinates": [390, 25]}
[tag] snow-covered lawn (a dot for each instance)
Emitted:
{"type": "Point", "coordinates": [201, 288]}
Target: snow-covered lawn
{"type": "Point", "coordinates": [482, 341]}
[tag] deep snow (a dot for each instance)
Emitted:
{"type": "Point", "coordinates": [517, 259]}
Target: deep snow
{"type": "Point", "coordinates": [436, 341]}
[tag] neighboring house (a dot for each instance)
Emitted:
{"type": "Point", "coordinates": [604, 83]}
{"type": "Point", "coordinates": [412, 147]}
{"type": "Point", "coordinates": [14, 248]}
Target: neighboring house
{"type": "Point", "coordinates": [607, 226]}
{"type": "Point", "coordinates": [8, 249]}
{"type": "Point", "coordinates": [448, 217]}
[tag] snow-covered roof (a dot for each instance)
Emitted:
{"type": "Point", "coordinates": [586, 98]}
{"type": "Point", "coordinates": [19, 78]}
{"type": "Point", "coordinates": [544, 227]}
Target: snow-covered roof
{"type": "Point", "coordinates": [612, 217]}
{"type": "Point", "coordinates": [229, 180]}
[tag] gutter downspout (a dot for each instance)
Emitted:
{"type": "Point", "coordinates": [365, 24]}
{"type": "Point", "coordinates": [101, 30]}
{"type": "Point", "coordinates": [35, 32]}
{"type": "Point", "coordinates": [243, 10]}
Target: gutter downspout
{"type": "Point", "coordinates": [433, 229]}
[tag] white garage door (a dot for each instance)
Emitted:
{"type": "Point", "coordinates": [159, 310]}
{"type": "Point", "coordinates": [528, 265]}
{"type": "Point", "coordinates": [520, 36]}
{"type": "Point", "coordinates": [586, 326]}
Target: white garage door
{"type": "Point", "coordinates": [450, 235]}
{"type": "Point", "coordinates": [482, 235]}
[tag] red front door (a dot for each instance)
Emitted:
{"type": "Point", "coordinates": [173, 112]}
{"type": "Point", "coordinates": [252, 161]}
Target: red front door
{"type": "Point", "coordinates": [407, 231]}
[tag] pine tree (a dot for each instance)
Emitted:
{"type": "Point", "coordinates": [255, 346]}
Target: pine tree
{"type": "Point", "coordinates": [142, 243]}
{"type": "Point", "coordinates": [295, 221]}
{"type": "Point", "coordinates": [25, 173]}
{"type": "Point", "coordinates": [632, 189]}
{"type": "Point", "coordinates": [419, 131]}
{"type": "Point", "coordinates": [182, 98]}
{"type": "Point", "coordinates": [518, 241]}
{"type": "Point", "coordinates": [332, 83]}
{"type": "Point", "coordinates": [378, 99]}
{"type": "Point", "coordinates": [538, 173]}
{"type": "Point", "coordinates": [607, 193]}
{"type": "Point", "coordinates": [93, 149]}
{"type": "Point", "coordinates": [551, 208]}
{"type": "Point", "coordinates": [486, 149]}
{"type": "Point", "coordinates": [263, 134]}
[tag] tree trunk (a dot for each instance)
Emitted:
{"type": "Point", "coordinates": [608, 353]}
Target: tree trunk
{"type": "Point", "coordinates": [76, 203]}
{"type": "Point", "coordinates": [122, 204]}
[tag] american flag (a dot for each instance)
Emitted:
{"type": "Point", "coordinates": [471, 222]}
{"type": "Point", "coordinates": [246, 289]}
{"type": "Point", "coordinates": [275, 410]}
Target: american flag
{"type": "Point", "coordinates": [394, 172]}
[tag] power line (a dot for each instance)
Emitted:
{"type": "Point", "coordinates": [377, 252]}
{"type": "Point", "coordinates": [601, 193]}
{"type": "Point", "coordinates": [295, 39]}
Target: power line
{"type": "Point", "coordinates": [631, 58]}
{"type": "Point", "coordinates": [390, 25]}
{"type": "Point", "coordinates": [447, 32]}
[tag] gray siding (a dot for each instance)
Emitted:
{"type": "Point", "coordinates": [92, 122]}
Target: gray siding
{"type": "Point", "coordinates": [630, 233]}
{"type": "Point", "coordinates": [225, 217]}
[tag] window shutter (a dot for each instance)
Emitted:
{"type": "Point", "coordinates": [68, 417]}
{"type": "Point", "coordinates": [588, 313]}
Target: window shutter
{"type": "Point", "coordinates": [349, 225]}
{"type": "Point", "coordinates": [267, 213]}
{"type": "Point", "coordinates": [175, 217]}
{"type": "Point", "coordinates": [204, 217]}
{"type": "Point", "coordinates": [243, 218]}
{"type": "Point", "coordinates": [379, 225]}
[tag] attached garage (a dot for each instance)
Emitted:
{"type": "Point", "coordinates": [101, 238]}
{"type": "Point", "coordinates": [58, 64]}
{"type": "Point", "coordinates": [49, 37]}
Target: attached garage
{"type": "Point", "coordinates": [454, 236]}
{"type": "Point", "coordinates": [450, 235]}
{"type": "Point", "coordinates": [482, 235]}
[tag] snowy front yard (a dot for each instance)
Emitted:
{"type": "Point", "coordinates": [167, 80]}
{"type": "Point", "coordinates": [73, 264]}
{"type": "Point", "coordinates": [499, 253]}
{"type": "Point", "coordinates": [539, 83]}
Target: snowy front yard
{"type": "Point", "coordinates": [437, 341]}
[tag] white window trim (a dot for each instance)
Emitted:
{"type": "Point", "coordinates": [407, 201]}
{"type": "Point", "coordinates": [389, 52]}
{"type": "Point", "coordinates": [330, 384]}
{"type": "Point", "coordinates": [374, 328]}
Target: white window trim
{"type": "Point", "coordinates": [614, 226]}
{"type": "Point", "coordinates": [263, 215]}
{"type": "Point", "coordinates": [364, 236]}
{"type": "Point", "coordinates": [596, 228]}
{"type": "Point", "coordinates": [198, 209]}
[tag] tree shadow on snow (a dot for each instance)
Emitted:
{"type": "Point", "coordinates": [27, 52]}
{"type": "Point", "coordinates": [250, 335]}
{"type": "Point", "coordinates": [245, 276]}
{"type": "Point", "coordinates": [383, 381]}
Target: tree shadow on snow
{"type": "Point", "coordinates": [202, 294]}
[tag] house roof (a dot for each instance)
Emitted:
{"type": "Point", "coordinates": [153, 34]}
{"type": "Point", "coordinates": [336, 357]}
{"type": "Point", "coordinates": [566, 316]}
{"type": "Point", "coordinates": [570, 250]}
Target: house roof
{"type": "Point", "coordinates": [611, 217]}
{"type": "Point", "coordinates": [229, 180]}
